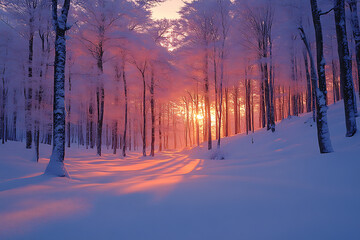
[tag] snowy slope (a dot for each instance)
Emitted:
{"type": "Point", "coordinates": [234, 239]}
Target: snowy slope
{"type": "Point", "coordinates": [270, 186]}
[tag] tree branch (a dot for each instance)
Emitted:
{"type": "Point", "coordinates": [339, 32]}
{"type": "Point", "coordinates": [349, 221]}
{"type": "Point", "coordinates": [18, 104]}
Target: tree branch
{"type": "Point", "coordinates": [324, 13]}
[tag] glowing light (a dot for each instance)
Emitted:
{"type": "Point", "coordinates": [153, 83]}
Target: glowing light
{"type": "Point", "coordinates": [168, 9]}
{"type": "Point", "coordinates": [200, 117]}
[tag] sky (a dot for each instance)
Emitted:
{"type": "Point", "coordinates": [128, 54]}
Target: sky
{"type": "Point", "coordinates": [168, 9]}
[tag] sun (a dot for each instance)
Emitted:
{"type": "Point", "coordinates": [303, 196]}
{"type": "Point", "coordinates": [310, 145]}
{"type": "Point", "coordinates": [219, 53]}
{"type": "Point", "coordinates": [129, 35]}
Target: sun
{"type": "Point", "coordinates": [199, 116]}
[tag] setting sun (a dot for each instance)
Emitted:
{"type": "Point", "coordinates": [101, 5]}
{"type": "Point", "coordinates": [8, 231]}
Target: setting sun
{"type": "Point", "coordinates": [179, 119]}
{"type": "Point", "coordinates": [200, 117]}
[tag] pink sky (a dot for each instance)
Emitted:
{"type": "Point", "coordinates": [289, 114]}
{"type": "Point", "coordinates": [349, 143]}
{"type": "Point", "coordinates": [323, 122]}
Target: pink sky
{"type": "Point", "coordinates": [167, 9]}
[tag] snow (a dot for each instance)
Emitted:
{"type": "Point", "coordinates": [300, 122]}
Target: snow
{"type": "Point", "coordinates": [278, 187]}
{"type": "Point", "coordinates": [56, 167]}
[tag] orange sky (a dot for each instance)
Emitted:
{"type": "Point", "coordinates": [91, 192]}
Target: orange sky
{"type": "Point", "coordinates": [168, 9]}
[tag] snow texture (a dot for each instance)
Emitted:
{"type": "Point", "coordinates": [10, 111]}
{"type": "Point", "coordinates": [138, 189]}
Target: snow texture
{"type": "Point", "coordinates": [270, 186]}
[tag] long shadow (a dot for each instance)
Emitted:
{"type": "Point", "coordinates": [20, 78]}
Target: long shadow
{"type": "Point", "coordinates": [23, 182]}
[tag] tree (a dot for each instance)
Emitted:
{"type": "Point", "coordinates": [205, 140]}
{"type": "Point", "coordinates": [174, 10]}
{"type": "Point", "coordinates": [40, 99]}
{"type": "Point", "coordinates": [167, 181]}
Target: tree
{"type": "Point", "coordinates": [224, 20]}
{"type": "Point", "coordinates": [346, 80]}
{"type": "Point", "coordinates": [197, 21]}
{"type": "Point", "coordinates": [56, 164]}
{"type": "Point", "coordinates": [321, 108]}
{"type": "Point", "coordinates": [126, 103]}
{"type": "Point", "coordinates": [27, 12]}
{"type": "Point", "coordinates": [356, 33]}
{"type": "Point", "coordinates": [261, 22]}
{"type": "Point", "coordinates": [316, 14]}
{"type": "Point", "coordinates": [142, 66]}
{"type": "Point", "coordinates": [101, 16]}
{"type": "Point", "coordinates": [44, 27]}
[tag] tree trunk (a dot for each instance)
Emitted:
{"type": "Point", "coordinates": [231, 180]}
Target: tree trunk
{"type": "Point", "coordinates": [247, 103]}
{"type": "Point", "coordinates": [262, 106]}
{"type": "Point", "coordinates": [319, 47]}
{"type": "Point", "coordinates": [252, 112]}
{"type": "Point", "coordinates": [28, 92]}
{"type": "Point", "coordinates": [160, 126]}
{"type": "Point", "coordinates": [187, 121]}
{"type": "Point", "coordinates": [271, 88]}
{"type": "Point", "coordinates": [236, 108]}
{"type": "Point", "coordinates": [115, 136]}
{"type": "Point", "coordinates": [217, 106]}
{"type": "Point", "coordinates": [144, 115]}
{"type": "Point", "coordinates": [152, 103]}
{"type": "Point", "coordinates": [14, 120]}
{"type": "Point", "coordinates": [175, 138]}
{"type": "Point", "coordinates": [197, 114]}
{"type": "Point", "coordinates": [356, 33]}
{"type": "Point", "coordinates": [3, 107]}
{"type": "Point", "coordinates": [100, 97]}
{"type": "Point", "coordinates": [220, 106]}
{"type": "Point", "coordinates": [346, 80]}
{"type": "Point", "coordinates": [226, 112]}
{"type": "Point", "coordinates": [321, 108]}
{"type": "Point", "coordinates": [207, 101]}
{"type": "Point", "coordinates": [264, 70]}
{"type": "Point", "coordinates": [308, 82]}
{"type": "Point", "coordinates": [56, 164]}
{"type": "Point", "coordinates": [69, 111]}
{"type": "Point", "coordinates": [126, 108]}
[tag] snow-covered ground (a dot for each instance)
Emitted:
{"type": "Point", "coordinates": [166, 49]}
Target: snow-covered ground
{"type": "Point", "coordinates": [270, 186]}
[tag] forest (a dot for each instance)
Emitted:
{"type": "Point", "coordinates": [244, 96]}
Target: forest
{"type": "Point", "coordinates": [108, 80]}
{"type": "Point", "coordinates": [129, 82]}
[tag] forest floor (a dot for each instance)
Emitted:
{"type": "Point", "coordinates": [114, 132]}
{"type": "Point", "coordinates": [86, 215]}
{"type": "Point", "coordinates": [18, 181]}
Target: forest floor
{"type": "Point", "coordinates": [270, 186]}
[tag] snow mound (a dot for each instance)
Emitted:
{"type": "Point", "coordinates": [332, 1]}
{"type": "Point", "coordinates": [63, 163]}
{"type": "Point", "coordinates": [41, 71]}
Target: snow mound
{"type": "Point", "coordinates": [295, 135]}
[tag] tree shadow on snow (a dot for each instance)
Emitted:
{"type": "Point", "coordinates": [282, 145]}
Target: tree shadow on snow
{"type": "Point", "coordinates": [22, 182]}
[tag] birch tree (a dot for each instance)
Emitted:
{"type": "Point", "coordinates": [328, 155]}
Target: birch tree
{"type": "Point", "coordinates": [56, 164]}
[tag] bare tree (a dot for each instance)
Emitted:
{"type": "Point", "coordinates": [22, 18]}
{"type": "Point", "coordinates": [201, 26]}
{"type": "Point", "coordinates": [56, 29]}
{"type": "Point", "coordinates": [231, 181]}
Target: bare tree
{"type": "Point", "coordinates": [356, 33]}
{"type": "Point", "coordinates": [224, 18]}
{"type": "Point", "coordinates": [261, 22]}
{"type": "Point", "coordinates": [345, 68]}
{"type": "Point", "coordinates": [101, 21]}
{"type": "Point", "coordinates": [56, 164]}
{"type": "Point", "coordinates": [316, 14]}
{"type": "Point", "coordinates": [142, 67]}
{"type": "Point", "coordinates": [321, 108]}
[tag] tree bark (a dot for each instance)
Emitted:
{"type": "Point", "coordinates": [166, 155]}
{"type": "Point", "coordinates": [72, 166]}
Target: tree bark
{"type": "Point", "coordinates": [69, 111]}
{"type": "Point", "coordinates": [308, 82]}
{"type": "Point", "coordinates": [207, 101]}
{"type": "Point", "coordinates": [321, 108]}
{"type": "Point", "coordinates": [346, 81]}
{"type": "Point", "coordinates": [126, 107]}
{"type": "Point", "coordinates": [152, 103]}
{"type": "Point", "coordinates": [3, 106]}
{"type": "Point", "coordinates": [100, 97]}
{"type": "Point", "coordinates": [356, 34]}
{"type": "Point", "coordinates": [56, 164]}
{"type": "Point", "coordinates": [236, 108]}
{"type": "Point", "coordinates": [271, 87]}
{"type": "Point", "coordinates": [14, 120]}
{"type": "Point", "coordinates": [319, 47]}
{"type": "Point", "coordinates": [160, 132]}
{"type": "Point", "coordinates": [197, 114]}
{"type": "Point", "coordinates": [144, 114]}
{"type": "Point", "coordinates": [28, 92]}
